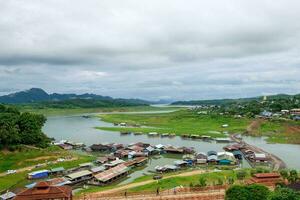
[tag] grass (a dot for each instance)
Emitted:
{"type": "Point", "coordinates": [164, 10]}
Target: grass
{"type": "Point", "coordinates": [28, 157]}
{"type": "Point", "coordinates": [17, 160]}
{"type": "Point", "coordinates": [168, 183]}
{"type": "Point", "coordinates": [279, 131]}
{"type": "Point", "coordinates": [73, 111]}
{"type": "Point", "coordinates": [179, 122]}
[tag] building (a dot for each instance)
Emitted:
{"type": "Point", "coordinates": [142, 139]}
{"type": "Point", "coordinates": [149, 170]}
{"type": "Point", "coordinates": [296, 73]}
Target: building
{"type": "Point", "coordinates": [226, 158]}
{"type": "Point", "coordinates": [295, 111]}
{"type": "Point", "coordinates": [110, 175]}
{"type": "Point", "coordinates": [44, 191]}
{"type": "Point", "coordinates": [268, 179]}
{"type": "Point", "coordinates": [80, 176]}
{"type": "Point", "coordinates": [38, 174]}
{"type": "Point", "coordinates": [7, 196]}
{"type": "Point", "coordinates": [201, 158]}
{"type": "Point", "coordinates": [98, 169]}
{"type": "Point", "coordinates": [57, 171]}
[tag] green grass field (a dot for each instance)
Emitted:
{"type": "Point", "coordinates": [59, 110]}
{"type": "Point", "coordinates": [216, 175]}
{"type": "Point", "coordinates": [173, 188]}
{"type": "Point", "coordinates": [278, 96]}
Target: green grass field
{"type": "Point", "coordinates": [168, 183]}
{"type": "Point", "coordinates": [31, 157]}
{"type": "Point", "coordinates": [179, 122]}
{"type": "Point", "coordinates": [73, 111]}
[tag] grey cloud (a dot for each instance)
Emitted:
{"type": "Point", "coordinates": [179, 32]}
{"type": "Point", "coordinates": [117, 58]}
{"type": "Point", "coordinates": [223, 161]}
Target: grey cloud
{"type": "Point", "coordinates": [151, 49]}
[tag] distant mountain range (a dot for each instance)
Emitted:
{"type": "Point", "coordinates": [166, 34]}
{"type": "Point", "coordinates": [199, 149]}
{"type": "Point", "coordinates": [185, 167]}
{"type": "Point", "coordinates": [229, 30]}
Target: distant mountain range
{"type": "Point", "coordinates": [37, 95]}
{"type": "Point", "coordinates": [238, 100]}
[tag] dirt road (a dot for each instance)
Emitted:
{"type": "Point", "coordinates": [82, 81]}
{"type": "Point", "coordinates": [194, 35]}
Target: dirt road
{"type": "Point", "coordinates": [132, 185]}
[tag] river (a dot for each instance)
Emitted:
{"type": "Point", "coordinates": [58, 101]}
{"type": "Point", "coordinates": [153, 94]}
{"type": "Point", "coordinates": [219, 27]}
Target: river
{"type": "Point", "coordinates": [79, 129]}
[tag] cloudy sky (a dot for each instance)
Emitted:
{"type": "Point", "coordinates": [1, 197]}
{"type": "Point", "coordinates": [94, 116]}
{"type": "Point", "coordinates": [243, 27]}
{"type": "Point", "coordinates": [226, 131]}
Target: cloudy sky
{"type": "Point", "coordinates": [154, 49]}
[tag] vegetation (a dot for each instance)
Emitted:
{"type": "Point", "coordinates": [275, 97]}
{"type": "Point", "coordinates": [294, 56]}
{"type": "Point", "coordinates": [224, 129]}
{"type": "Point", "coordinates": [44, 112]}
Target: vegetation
{"type": "Point", "coordinates": [260, 192]}
{"type": "Point", "coordinates": [199, 180]}
{"type": "Point", "coordinates": [21, 128]}
{"type": "Point", "coordinates": [179, 122]}
{"type": "Point", "coordinates": [253, 192]}
{"type": "Point", "coordinates": [28, 158]}
{"type": "Point", "coordinates": [74, 111]}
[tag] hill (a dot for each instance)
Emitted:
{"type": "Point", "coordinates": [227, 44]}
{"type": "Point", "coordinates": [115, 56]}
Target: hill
{"type": "Point", "coordinates": [221, 102]}
{"type": "Point", "coordinates": [38, 97]}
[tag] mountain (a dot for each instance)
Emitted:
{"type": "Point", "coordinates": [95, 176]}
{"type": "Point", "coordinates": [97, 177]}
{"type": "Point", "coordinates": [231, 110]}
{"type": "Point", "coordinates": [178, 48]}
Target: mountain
{"type": "Point", "coordinates": [37, 95]}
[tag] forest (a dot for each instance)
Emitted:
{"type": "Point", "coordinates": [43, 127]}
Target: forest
{"type": "Point", "coordinates": [18, 128]}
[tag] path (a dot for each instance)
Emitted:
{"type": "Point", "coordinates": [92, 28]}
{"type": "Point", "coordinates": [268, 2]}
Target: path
{"type": "Point", "coordinates": [29, 168]}
{"type": "Point", "coordinates": [203, 195]}
{"type": "Point", "coordinates": [132, 185]}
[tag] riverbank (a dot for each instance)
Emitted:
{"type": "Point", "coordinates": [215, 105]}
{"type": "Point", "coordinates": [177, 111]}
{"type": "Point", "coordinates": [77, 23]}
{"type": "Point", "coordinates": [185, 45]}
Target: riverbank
{"type": "Point", "coordinates": [180, 122]}
{"type": "Point", "coordinates": [76, 111]}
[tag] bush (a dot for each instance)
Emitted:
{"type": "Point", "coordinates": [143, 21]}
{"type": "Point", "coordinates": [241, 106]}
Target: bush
{"type": "Point", "coordinates": [252, 192]}
{"type": "Point", "coordinates": [237, 192]}
{"type": "Point", "coordinates": [241, 174]}
{"type": "Point", "coordinates": [284, 194]}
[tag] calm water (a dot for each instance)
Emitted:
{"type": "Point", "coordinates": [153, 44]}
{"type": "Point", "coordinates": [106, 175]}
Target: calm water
{"type": "Point", "coordinates": [79, 129]}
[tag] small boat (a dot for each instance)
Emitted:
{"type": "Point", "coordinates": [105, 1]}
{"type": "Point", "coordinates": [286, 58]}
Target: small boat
{"type": "Point", "coordinates": [153, 134]}
{"type": "Point", "coordinates": [165, 135]}
{"type": "Point", "coordinates": [125, 133]}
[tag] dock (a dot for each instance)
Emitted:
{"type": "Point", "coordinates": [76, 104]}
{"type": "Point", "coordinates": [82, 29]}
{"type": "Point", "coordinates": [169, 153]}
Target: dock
{"type": "Point", "coordinates": [276, 162]}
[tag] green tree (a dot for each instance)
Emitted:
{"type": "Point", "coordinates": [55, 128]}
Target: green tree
{"type": "Point", "coordinates": [281, 193]}
{"type": "Point", "coordinates": [293, 177]}
{"type": "Point", "coordinates": [258, 192]}
{"type": "Point", "coordinates": [237, 192]}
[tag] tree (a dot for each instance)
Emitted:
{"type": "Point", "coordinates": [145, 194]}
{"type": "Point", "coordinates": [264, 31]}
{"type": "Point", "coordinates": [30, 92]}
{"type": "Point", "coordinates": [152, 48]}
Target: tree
{"type": "Point", "coordinates": [258, 192]}
{"type": "Point", "coordinates": [281, 193]}
{"type": "Point", "coordinates": [293, 177]}
{"type": "Point", "coordinates": [21, 128]}
{"type": "Point", "coordinates": [284, 173]}
{"type": "Point", "coordinates": [237, 192]}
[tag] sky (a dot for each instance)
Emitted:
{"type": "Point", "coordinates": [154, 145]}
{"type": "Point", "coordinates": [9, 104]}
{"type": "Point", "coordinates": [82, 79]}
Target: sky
{"type": "Point", "coordinates": [170, 49]}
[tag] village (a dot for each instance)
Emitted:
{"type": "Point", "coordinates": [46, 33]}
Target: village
{"type": "Point", "coordinates": [116, 161]}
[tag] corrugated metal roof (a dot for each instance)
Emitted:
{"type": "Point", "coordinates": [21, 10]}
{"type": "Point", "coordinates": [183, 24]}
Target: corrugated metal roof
{"type": "Point", "coordinates": [79, 174]}
{"type": "Point", "coordinates": [38, 172]}
{"type": "Point", "coordinates": [111, 173]}
{"type": "Point", "coordinates": [7, 195]}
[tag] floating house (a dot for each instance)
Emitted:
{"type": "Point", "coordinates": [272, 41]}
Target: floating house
{"type": "Point", "coordinates": [38, 174]}
{"type": "Point", "coordinates": [212, 159]}
{"type": "Point", "coordinates": [166, 168]}
{"type": "Point", "coordinates": [114, 163]}
{"type": "Point", "coordinates": [238, 154]}
{"type": "Point", "coordinates": [260, 157]}
{"type": "Point", "coordinates": [226, 158]}
{"type": "Point", "coordinates": [7, 196]}
{"type": "Point", "coordinates": [110, 175]}
{"type": "Point", "coordinates": [181, 163]}
{"type": "Point", "coordinates": [80, 176]}
{"type": "Point", "coordinates": [98, 169]}
{"type": "Point", "coordinates": [153, 134]}
{"type": "Point", "coordinates": [201, 158]}
{"type": "Point", "coordinates": [101, 160]}
{"type": "Point", "coordinates": [210, 153]}
{"type": "Point", "coordinates": [136, 162]}
{"type": "Point", "coordinates": [223, 140]}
